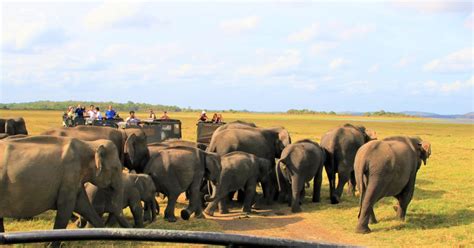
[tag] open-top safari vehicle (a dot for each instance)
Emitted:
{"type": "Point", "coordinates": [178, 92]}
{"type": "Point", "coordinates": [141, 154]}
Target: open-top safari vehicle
{"type": "Point", "coordinates": [205, 130]}
{"type": "Point", "coordinates": [156, 130]}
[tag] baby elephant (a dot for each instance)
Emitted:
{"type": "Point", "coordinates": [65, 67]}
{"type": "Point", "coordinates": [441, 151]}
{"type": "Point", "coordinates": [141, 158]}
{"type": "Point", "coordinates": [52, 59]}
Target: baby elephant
{"type": "Point", "coordinates": [137, 188]}
{"type": "Point", "coordinates": [387, 168]}
{"type": "Point", "coordinates": [240, 170]}
{"type": "Point", "coordinates": [300, 162]}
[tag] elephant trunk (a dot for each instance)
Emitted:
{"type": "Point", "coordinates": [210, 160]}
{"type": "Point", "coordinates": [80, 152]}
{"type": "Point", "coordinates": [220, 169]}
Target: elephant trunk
{"type": "Point", "coordinates": [277, 167]}
{"type": "Point", "coordinates": [213, 195]}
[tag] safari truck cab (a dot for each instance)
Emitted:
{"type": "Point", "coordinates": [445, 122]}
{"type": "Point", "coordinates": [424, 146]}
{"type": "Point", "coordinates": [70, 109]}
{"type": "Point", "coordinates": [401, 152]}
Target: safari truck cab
{"type": "Point", "coordinates": [205, 130]}
{"type": "Point", "coordinates": [158, 130]}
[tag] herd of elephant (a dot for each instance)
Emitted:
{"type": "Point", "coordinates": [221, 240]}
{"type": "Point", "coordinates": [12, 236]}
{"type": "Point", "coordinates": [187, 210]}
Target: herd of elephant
{"type": "Point", "coordinates": [91, 171]}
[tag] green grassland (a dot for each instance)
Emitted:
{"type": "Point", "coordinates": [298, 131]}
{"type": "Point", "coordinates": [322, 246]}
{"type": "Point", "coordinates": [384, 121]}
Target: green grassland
{"type": "Point", "coordinates": [440, 214]}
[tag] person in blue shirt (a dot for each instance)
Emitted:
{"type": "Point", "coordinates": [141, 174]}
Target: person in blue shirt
{"type": "Point", "coordinates": [110, 113]}
{"type": "Point", "coordinates": [80, 111]}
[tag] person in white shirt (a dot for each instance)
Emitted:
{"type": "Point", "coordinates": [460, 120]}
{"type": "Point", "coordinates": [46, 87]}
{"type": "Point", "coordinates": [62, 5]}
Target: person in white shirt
{"type": "Point", "coordinates": [132, 120]}
{"type": "Point", "coordinates": [92, 114]}
{"type": "Point", "coordinates": [98, 115]}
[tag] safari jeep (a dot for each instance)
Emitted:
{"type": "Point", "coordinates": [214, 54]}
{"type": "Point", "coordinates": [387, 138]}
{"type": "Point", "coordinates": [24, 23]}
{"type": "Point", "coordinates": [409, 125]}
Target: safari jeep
{"type": "Point", "coordinates": [161, 130]}
{"type": "Point", "coordinates": [205, 131]}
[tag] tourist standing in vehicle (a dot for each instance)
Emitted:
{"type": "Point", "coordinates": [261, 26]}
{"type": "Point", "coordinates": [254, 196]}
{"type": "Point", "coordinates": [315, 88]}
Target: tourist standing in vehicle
{"type": "Point", "coordinates": [214, 118]}
{"type": "Point", "coordinates": [110, 113]}
{"type": "Point", "coordinates": [98, 115]}
{"type": "Point", "coordinates": [203, 116]}
{"type": "Point", "coordinates": [219, 118]}
{"type": "Point", "coordinates": [132, 120]}
{"type": "Point", "coordinates": [152, 115]}
{"type": "Point", "coordinates": [91, 114]}
{"type": "Point", "coordinates": [165, 116]}
{"type": "Point", "coordinates": [80, 111]}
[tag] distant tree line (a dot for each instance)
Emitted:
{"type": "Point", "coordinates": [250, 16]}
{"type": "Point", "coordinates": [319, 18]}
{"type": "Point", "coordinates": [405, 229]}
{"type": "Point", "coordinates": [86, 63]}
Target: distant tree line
{"type": "Point", "coordinates": [307, 111]}
{"type": "Point", "coordinates": [63, 105]}
{"type": "Point", "coordinates": [384, 113]}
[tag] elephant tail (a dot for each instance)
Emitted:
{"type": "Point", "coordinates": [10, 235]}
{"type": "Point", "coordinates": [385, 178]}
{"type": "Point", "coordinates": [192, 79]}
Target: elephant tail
{"type": "Point", "coordinates": [361, 183]}
{"type": "Point", "coordinates": [277, 168]}
{"type": "Point", "coordinates": [285, 169]}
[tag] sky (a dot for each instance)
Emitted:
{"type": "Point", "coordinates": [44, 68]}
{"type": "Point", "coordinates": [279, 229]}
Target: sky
{"type": "Point", "coordinates": [258, 56]}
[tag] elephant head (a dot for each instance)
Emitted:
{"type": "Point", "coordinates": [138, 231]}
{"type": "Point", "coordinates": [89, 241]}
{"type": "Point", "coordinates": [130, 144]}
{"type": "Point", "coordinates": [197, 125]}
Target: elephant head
{"type": "Point", "coordinates": [367, 133]}
{"type": "Point", "coordinates": [212, 167]}
{"type": "Point", "coordinates": [425, 151]}
{"type": "Point", "coordinates": [136, 150]}
{"type": "Point", "coordinates": [147, 189]}
{"type": "Point", "coordinates": [108, 174]}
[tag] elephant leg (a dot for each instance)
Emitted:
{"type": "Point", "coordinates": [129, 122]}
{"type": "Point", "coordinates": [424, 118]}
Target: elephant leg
{"type": "Point", "coordinates": [297, 184]}
{"type": "Point", "coordinates": [352, 184]}
{"type": "Point", "coordinates": [85, 209]}
{"type": "Point", "coordinates": [65, 207]}
{"type": "Point", "coordinates": [318, 180]}
{"type": "Point", "coordinates": [241, 196]}
{"type": "Point", "coordinates": [249, 195]}
{"type": "Point", "coordinates": [368, 199]}
{"type": "Point", "coordinates": [332, 184]}
{"type": "Point", "coordinates": [224, 206]}
{"type": "Point", "coordinates": [344, 177]}
{"type": "Point", "coordinates": [372, 219]}
{"type": "Point", "coordinates": [169, 211]}
{"type": "Point", "coordinates": [111, 220]}
{"type": "Point", "coordinates": [194, 202]}
{"type": "Point", "coordinates": [2, 228]}
{"type": "Point", "coordinates": [404, 199]}
{"type": "Point", "coordinates": [137, 212]}
{"type": "Point", "coordinates": [81, 222]}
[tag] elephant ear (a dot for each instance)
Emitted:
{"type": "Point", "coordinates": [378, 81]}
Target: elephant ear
{"type": "Point", "coordinates": [140, 185]}
{"type": "Point", "coordinates": [99, 159]}
{"type": "Point", "coordinates": [130, 146]}
{"type": "Point", "coordinates": [425, 148]}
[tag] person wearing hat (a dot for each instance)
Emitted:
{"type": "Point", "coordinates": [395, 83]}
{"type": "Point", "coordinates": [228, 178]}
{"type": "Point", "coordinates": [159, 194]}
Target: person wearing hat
{"type": "Point", "coordinates": [203, 116]}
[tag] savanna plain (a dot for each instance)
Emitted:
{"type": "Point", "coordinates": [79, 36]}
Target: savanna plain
{"type": "Point", "coordinates": [440, 214]}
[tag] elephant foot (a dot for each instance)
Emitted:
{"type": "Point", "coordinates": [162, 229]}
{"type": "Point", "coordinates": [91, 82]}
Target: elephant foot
{"type": "Point", "coordinates": [224, 211]}
{"type": "Point", "coordinates": [373, 221]}
{"type": "Point", "coordinates": [185, 214]}
{"type": "Point", "coordinates": [334, 199]}
{"type": "Point", "coordinates": [296, 209]}
{"type": "Point", "coordinates": [209, 212]}
{"type": "Point", "coordinates": [139, 226]}
{"type": "Point", "coordinates": [247, 210]}
{"type": "Point", "coordinates": [170, 218]}
{"type": "Point", "coordinates": [199, 216]}
{"type": "Point", "coordinates": [362, 230]}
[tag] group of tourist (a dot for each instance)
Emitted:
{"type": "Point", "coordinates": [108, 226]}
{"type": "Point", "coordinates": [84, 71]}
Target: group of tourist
{"type": "Point", "coordinates": [216, 118]}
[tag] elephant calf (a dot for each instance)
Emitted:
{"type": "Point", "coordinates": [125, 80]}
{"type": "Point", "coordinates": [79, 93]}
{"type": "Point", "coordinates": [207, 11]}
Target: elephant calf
{"type": "Point", "coordinates": [137, 188]}
{"type": "Point", "coordinates": [240, 170]}
{"type": "Point", "coordinates": [387, 168]}
{"type": "Point", "coordinates": [300, 162]}
{"type": "Point", "coordinates": [177, 169]}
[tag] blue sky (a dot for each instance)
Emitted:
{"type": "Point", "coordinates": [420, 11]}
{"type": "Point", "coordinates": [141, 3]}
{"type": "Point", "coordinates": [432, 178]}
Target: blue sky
{"type": "Point", "coordinates": [261, 56]}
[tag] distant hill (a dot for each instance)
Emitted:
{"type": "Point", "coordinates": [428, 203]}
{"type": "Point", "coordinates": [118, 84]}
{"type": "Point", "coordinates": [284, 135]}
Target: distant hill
{"type": "Point", "coordinates": [469, 115]}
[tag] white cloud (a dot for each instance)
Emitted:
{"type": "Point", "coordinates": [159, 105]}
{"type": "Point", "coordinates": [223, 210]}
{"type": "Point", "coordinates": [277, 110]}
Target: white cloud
{"type": "Point", "coordinates": [321, 47]}
{"type": "Point", "coordinates": [189, 70]}
{"type": "Point", "coordinates": [356, 31]}
{"type": "Point", "coordinates": [447, 88]}
{"type": "Point", "coordinates": [459, 61]}
{"type": "Point", "coordinates": [240, 25]}
{"type": "Point", "coordinates": [289, 59]}
{"type": "Point", "coordinates": [305, 34]}
{"type": "Point", "coordinates": [338, 62]}
{"type": "Point", "coordinates": [469, 22]}
{"type": "Point", "coordinates": [436, 6]}
{"type": "Point", "coordinates": [404, 61]}
{"type": "Point", "coordinates": [373, 68]}
{"type": "Point", "coordinates": [111, 13]}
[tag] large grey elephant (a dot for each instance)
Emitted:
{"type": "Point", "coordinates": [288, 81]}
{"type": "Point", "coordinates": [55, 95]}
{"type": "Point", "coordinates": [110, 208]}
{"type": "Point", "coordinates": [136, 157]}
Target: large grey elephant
{"type": "Point", "coordinates": [300, 162]}
{"type": "Point", "coordinates": [388, 168]}
{"type": "Point", "coordinates": [131, 143]}
{"type": "Point", "coordinates": [177, 169]}
{"type": "Point", "coordinates": [45, 172]}
{"type": "Point", "coordinates": [266, 143]}
{"type": "Point", "coordinates": [136, 188]}
{"type": "Point", "coordinates": [12, 126]}
{"type": "Point", "coordinates": [158, 146]}
{"type": "Point", "coordinates": [341, 145]}
{"type": "Point", "coordinates": [240, 171]}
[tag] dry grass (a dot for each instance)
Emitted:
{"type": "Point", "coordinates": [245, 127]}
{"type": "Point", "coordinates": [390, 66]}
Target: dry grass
{"type": "Point", "coordinates": [441, 213]}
